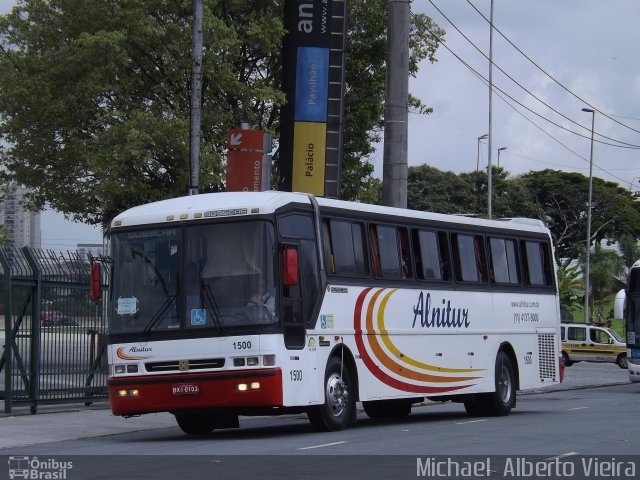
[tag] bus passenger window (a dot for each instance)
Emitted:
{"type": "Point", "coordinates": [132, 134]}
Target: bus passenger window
{"type": "Point", "coordinates": [468, 254]}
{"type": "Point", "coordinates": [347, 247]}
{"type": "Point", "coordinates": [504, 267]}
{"type": "Point", "coordinates": [390, 260]}
{"type": "Point", "coordinates": [538, 263]}
{"type": "Point", "coordinates": [430, 257]}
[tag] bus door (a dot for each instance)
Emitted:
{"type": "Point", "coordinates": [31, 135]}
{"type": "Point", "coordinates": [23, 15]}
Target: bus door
{"type": "Point", "coordinates": [292, 300]}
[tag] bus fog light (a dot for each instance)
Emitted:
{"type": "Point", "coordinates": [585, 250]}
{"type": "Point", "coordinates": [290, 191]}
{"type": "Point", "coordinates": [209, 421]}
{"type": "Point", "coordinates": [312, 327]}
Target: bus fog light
{"type": "Point", "coordinates": [238, 362]}
{"type": "Point", "coordinates": [134, 393]}
{"type": "Point", "coordinates": [253, 361]}
{"type": "Point", "coordinates": [268, 360]}
{"type": "Point", "coordinates": [255, 385]}
{"type": "Point", "coordinates": [120, 368]}
{"type": "Point", "coordinates": [122, 393]}
{"type": "Point", "coordinates": [243, 387]}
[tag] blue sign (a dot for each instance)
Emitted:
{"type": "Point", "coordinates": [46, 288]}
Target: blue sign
{"type": "Point", "coordinates": [635, 353]}
{"type": "Point", "coordinates": [312, 84]}
{"type": "Point", "coordinates": [198, 316]}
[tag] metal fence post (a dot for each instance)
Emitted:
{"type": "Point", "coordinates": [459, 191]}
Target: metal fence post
{"type": "Point", "coordinates": [36, 297]}
{"type": "Point", "coordinates": [6, 363]}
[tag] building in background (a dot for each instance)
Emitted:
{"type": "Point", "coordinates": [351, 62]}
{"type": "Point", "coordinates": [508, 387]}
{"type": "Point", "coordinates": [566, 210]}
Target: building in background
{"type": "Point", "coordinates": [22, 226]}
{"type": "Point", "coordinates": [93, 249]}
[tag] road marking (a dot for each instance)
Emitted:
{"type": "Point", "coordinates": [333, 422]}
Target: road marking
{"type": "Point", "coordinates": [563, 455]}
{"type": "Point", "coordinates": [323, 445]}
{"type": "Point", "coordinates": [577, 408]}
{"type": "Point", "coordinates": [471, 421]}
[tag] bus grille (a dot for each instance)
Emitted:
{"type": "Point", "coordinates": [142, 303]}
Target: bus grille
{"type": "Point", "coordinates": [171, 365]}
{"type": "Point", "coordinates": [547, 357]}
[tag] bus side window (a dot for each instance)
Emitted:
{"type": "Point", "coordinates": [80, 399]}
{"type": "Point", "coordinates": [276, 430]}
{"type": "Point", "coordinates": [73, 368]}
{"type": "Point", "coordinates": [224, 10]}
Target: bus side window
{"type": "Point", "coordinates": [537, 263]}
{"type": "Point", "coordinates": [389, 249]}
{"type": "Point", "coordinates": [347, 247]}
{"type": "Point", "coordinates": [330, 264]}
{"type": "Point", "coordinates": [468, 255]}
{"type": "Point", "coordinates": [430, 262]}
{"type": "Point", "coordinates": [504, 265]}
{"type": "Point", "coordinates": [405, 256]}
{"type": "Point", "coordinates": [375, 251]}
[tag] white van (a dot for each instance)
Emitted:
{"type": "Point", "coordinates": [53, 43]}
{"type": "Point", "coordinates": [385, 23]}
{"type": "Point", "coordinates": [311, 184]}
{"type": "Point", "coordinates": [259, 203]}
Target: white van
{"type": "Point", "coordinates": [592, 343]}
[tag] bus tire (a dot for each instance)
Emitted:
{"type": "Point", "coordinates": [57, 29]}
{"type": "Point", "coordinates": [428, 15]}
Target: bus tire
{"type": "Point", "coordinates": [338, 408]}
{"type": "Point", "coordinates": [396, 408]}
{"type": "Point", "coordinates": [196, 423]}
{"type": "Point", "coordinates": [621, 361]}
{"type": "Point", "coordinates": [500, 402]}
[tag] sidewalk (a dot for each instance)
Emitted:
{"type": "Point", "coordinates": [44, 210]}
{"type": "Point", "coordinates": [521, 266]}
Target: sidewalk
{"type": "Point", "coordinates": [59, 423]}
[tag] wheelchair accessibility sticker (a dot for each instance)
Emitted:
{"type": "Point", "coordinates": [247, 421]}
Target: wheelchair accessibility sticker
{"type": "Point", "coordinates": [198, 316]}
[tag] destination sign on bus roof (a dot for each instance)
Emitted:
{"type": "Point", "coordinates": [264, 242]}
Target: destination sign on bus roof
{"type": "Point", "coordinates": [228, 212]}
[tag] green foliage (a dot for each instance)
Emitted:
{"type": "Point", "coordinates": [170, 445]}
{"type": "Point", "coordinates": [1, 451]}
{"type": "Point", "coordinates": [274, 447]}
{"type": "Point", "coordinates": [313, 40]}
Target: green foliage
{"type": "Point", "coordinates": [629, 249]}
{"type": "Point", "coordinates": [95, 96]}
{"type": "Point", "coordinates": [4, 236]}
{"type": "Point", "coordinates": [570, 287]}
{"type": "Point", "coordinates": [365, 79]}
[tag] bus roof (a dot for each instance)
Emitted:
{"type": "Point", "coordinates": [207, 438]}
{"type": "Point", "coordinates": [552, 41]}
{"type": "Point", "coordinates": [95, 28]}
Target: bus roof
{"type": "Point", "coordinates": [234, 204]}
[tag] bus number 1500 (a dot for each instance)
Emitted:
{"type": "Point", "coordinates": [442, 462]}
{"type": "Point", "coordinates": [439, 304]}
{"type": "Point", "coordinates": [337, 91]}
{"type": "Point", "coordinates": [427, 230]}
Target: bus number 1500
{"type": "Point", "coordinates": [296, 375]}
{"type": "Point", "coordinates": [242, 345]}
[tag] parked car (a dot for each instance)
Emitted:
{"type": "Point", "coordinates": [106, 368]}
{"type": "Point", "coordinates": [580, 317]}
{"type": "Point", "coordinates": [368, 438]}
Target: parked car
{"type": "Point", "coordinates": [592, 343]}
{"type": "Point", "coordinates": [56, 318]}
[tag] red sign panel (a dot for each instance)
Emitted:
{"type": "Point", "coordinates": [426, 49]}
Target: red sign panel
{"type": "Point", "coordinates": [245, 139]}
{"type": "Point", "coordinates": [244, 171]}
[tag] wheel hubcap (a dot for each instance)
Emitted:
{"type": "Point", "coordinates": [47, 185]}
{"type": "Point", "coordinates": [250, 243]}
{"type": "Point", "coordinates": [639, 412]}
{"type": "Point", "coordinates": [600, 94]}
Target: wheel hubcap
{"type": "Point", "coordinates": [337, 395]}
{"type": "Point", "coordinates": [504, 385]}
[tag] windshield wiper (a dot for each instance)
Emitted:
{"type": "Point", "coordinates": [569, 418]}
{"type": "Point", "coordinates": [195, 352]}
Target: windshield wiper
{"type": "Point", "coordinates": [159, 316]}
{"type": "Point", "coordinates": [217, 316]}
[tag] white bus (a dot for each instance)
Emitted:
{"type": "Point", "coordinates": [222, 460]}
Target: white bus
{"type": "Point", "coordinates": [232, 304]}
{"type": "Point", "coordinates": [632, 322]}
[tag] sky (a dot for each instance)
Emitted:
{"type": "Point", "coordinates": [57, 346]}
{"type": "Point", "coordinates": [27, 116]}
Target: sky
{"type": "Point", "coordinates": [587, 56]}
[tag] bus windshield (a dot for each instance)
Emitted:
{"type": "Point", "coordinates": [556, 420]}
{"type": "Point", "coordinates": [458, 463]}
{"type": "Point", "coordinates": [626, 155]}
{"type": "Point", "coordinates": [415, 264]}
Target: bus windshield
{"type": "Point", "coordinates": [211, 277]}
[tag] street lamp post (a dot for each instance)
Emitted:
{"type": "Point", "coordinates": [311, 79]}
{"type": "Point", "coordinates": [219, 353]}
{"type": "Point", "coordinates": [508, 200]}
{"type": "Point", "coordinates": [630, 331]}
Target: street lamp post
{"type": "Point", "coordinates": [499, 150]}
{"type": "Point", "coordinates": [481, 137]}
{"type": "Point", "coordinates": [586, 279]}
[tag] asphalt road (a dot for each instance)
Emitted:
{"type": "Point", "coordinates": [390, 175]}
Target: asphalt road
{"type": "Point", "coordinates": [593, 415]}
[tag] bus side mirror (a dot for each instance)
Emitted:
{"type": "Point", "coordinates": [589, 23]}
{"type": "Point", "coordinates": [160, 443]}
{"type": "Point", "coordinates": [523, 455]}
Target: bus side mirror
{"type": "Point", "coordinates": [96, 277]}
{"type": "Point", "coordinates": [290, 266]}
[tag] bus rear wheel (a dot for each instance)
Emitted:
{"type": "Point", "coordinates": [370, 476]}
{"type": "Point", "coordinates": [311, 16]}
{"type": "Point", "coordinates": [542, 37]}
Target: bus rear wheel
{"type": "Point", "coordinates": [339, 399]}
{"type": "Point", "coordinates": [196, 423]}
{"type": "Point", "coordinates": [503, 399]}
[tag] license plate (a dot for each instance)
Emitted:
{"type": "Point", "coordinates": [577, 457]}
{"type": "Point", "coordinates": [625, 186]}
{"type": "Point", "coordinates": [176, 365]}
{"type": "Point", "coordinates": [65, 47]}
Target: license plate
{"type": "Point", "coordinates": [185, 389]}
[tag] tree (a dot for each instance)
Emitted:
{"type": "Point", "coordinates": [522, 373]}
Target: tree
{"type": "Point", "coordinates": [94, 96]}
{"type": "Point", "coordinates": [629, 249]}
{"type": "Point", "coordinates": [365, 85]}
{"type": "Point", "coordinates": [560, 198]}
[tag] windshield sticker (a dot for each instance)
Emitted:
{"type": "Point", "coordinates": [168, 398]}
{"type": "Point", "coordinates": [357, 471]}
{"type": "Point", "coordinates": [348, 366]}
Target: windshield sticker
{"type": "Point", "coordinates": [127, 306]}
{"type": "Point", "coordinates": [173, 249]}
{"type": "Point", "coordinates": [198, 316]}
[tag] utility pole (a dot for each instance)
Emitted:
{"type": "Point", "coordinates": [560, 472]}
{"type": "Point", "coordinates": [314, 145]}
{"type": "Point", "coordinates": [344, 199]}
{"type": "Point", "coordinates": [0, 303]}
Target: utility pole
{"type": "Point", "coordinates": [396, 107]}
{"type": "Point", "coordinates": [489, 166]}
{"type": "Point", "coordinates": [196, 98]}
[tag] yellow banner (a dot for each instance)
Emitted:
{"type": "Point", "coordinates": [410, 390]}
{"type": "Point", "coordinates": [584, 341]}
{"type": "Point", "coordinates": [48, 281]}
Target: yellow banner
{"type": "Point", "coordinates": [309, 151]}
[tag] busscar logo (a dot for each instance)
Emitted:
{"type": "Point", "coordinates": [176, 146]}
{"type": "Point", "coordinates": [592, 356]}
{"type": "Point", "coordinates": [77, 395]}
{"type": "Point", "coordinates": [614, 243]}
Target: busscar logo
{"type": "Point", "coordinates": [34, 468]}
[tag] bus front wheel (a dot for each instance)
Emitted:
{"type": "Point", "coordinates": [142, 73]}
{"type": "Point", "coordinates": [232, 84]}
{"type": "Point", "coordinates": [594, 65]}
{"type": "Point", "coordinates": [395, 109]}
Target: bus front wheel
{"type": "Point", "coordinates": [339, 399]}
